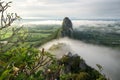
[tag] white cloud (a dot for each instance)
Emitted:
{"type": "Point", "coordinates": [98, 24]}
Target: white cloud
{"type": "Point", "coordinates": [71, 8]}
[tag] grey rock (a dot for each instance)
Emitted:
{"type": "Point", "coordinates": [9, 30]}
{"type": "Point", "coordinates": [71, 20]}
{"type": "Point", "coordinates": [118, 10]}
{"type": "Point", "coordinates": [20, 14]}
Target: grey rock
{"type": "Point", "coordinates": [67, 28]}
{"type": "Point", "coordinates": [75, 55]}
{"type": "Point", "coordinates": [69, 54]}
{"type": "Point", "coordinates": [83, 65]}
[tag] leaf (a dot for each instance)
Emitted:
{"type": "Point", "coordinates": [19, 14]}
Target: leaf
{"type": "Point", "coordinates": [2, 63]}
{"type": "Point", "coordinates": [4, 74]}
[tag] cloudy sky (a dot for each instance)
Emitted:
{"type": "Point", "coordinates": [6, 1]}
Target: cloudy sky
{"type": "Point", "coordinates": [58, 9]}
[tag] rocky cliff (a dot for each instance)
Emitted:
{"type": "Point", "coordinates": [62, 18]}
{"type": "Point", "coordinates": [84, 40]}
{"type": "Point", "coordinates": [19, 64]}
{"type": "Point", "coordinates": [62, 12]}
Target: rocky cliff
{"type": "Point", "coordinates": [67, 28]}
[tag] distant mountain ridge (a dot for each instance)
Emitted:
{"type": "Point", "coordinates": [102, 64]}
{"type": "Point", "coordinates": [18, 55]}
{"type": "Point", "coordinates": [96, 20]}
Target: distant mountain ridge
{"type": "Point", "coordinates": [74, 19]}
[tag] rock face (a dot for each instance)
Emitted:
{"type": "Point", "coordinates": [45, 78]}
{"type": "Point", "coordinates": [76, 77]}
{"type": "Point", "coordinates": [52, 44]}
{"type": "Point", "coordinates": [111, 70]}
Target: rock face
{"type": "Point", "coordinates": [67, 28]}
{"type": "Point", "coordinates": [71, 67]}
{"type": "Point", "coordinates": [73, 63]}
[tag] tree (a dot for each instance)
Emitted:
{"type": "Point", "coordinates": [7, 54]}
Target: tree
{"type": "Point", "coordinates": [5, 22]}
{"type": "Point", "coordinates": [18, 60]}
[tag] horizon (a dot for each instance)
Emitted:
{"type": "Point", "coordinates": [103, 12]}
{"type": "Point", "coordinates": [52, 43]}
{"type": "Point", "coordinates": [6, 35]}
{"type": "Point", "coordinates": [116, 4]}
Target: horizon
{"type": "Point", "coordinates": [97, 19]}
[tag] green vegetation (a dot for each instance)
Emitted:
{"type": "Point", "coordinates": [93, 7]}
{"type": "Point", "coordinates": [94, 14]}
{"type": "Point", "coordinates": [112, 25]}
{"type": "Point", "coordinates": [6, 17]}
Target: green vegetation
{"type": "Point", "coordinates": [36, 35]}
{"type": "Point", "coordinates": [72, 67]}
{"type": "Point", "coordinates": [40, 34]}
{"type": "Point", "coordinates": [110, 39]}
{"type": "Point", "coordinates": [21, 60]}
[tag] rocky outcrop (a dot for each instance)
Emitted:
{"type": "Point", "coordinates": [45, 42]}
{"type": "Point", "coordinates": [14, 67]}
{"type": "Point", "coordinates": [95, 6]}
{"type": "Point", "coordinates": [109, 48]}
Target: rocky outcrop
{"type": "Point", "coordinates": [73, 63]}
{"type": "Point", "coordinates": [67, 28]}
{"type": "Point", "coordinates": [71, 67]}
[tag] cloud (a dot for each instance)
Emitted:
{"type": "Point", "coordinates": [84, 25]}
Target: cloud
{"type": "Point", "coordinates": [71, 8]}
{"type": "Point", "coordinates": [57, 1]}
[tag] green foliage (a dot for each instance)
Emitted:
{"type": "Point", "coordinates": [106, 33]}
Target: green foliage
{"type": "Point", "coordinates": [76, 69]}
{"type": "Point", "coordinates": [110, 39]}
{"type": "Point", "coordinates": [66, 76]}
{"type": "Point", "coordinates": [19, 60]}
{"type": "Point", "coordinates": [83, 76]}
{"type": "Point", "coordinates": [101, 78]}
{"type": "Point", "coordinates": [40, 34]}
{"type": "Point", "coordinates": [5, 74]}
{"type": "Point", "coordinates": [23, 61]}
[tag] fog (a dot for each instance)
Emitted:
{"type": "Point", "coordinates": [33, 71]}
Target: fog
{"type": "Point", "coordinates": [93, 54]}
{"type": "Point", "coordinates": [99, 26]}
{"type": "Point", "coordinates": [102, 25]}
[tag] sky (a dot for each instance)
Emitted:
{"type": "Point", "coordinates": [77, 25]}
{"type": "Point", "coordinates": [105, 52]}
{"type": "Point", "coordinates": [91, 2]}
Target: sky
{"type": "Point", "coordinates": [58, 9]}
